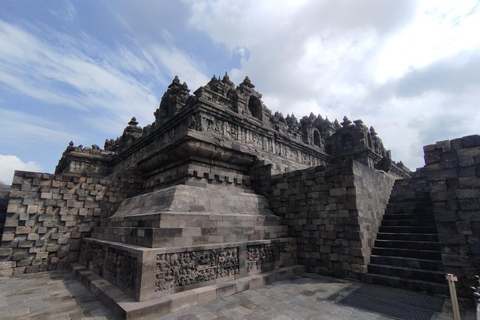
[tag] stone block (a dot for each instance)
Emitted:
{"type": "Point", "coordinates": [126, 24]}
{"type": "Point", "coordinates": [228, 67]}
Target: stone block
{"type": "Point", "coordinates": [41, 255]}
{"type": "Point", "coordinates": [23, 230]}
{"type": "Point", "coordinates": [6, 272]}
{"type": "Point", "coordinates": [8, 236]}
{"type": "Point", "coordinates": [33, 236]}
{"type": "Point", "coordinates": [12, 208]}
{"type": "Point", "coordinates": [183, 300]}
{"type": "Point", "coordinates": [256, 281]}
{"type": "Point", "coordinates": [225, 289]}
{"type": "Point", "coordinates": [455, 260]}
{"type": "Point", "coordinates": [4, 265]}
{"type": "Point", "coordinates": [32, 209]}
{"type": "Point", "coordinates": [206, 294]}
{"type": "Point", "coordinates": [452, 239]}
{"type": "Point", "coordinates": [53, 247]}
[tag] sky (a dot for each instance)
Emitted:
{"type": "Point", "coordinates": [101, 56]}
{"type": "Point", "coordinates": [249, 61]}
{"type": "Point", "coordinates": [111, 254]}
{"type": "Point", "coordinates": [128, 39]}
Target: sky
{"type": "Point", "coordinates": [79, 70]}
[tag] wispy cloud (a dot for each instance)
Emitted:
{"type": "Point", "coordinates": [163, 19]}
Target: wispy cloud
{"type": "Point", "coordinates": [29, 129]}
{"type": "Point", "coordinates": [83, 74]}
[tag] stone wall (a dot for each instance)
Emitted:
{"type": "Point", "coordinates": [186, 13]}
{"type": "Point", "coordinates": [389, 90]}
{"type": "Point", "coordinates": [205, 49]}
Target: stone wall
{"type": "Point", "coordinates": [454, 176]}
{"type": "Point", "coordinates": [4, 191]}
{"type": "Point", "coordinates": [372, 190]}
{"type": "Point", "coordinates": [48, 214]}
{"type": "Point", "coordinates": [334, 212]}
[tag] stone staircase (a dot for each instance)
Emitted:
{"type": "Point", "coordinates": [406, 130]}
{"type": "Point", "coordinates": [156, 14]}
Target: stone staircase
{"type": "Point", "coordinates": [407, 253]}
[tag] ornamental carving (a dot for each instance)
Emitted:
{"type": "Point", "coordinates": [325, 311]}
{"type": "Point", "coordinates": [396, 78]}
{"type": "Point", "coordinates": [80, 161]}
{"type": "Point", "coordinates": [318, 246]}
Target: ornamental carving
{"type": "Point", "coordinates": [188, 268]}
{"type": "Point", "coordinates": [261, 254]}
{"type": "Point", "coordinates": [122, 266]}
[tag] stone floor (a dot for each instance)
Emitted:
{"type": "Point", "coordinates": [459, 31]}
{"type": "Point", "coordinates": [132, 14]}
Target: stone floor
{"type": "Point", "coordinates": [58, 295]}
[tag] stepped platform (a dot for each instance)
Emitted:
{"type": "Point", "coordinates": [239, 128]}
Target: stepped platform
{"type": "Point", "coordinates": [183, 241]}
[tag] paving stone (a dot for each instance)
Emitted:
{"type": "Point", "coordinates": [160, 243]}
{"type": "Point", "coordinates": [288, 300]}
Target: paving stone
{"type": "Point", "coordinates": [57, 295]}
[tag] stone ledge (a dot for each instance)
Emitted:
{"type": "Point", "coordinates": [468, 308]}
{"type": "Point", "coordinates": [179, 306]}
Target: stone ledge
{"type": "Point", "coordinates": [125, 307]}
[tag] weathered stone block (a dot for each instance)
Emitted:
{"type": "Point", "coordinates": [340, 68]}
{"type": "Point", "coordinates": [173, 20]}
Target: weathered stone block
{"type": "Point", "coordinates": [8, 236]}
{"type": "Point", "coordinates": [32, 209]}
{"type": "Point", "coordinates": [23, 230]}
{"type": "Point", "coordinates": [183, 300]}
{"type": "Point", "coordinates": [206, 294]}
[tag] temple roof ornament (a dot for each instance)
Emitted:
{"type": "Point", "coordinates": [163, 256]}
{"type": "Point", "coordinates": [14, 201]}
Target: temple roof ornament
{"type": "Point", "coordinates": [346, 122]}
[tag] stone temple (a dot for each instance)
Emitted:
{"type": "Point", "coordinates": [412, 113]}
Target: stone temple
{"type": "Point", "coordinates": [219, 195]}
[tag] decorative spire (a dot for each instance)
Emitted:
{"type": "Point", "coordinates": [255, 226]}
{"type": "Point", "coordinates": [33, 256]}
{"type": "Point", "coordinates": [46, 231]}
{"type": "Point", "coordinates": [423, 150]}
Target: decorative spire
{"type": "Point", "coordinates": [133, 122]}
{"type": "Point", "coordinates": [336, 124]}
{"type": "Point", "coordinates": [226, 77]}
{"type": "Point", "coordinates": [346, 122]}
{"type": "Point", "coordinates": [358, 123]}
{"type": "Point", "coordinates": [246, 82]}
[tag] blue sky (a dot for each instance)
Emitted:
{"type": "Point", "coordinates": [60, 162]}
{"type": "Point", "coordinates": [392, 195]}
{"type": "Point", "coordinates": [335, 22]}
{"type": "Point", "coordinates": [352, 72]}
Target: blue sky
{"type": "Point", "coordinates": [79, 70]}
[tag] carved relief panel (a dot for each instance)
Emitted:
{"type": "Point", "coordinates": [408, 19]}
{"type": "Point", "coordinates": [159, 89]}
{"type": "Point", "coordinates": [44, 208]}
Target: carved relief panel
{"type": "Point", "coordinates": [262, 254]}
{"type": "Point", "coordinates": [188, 268]}
{"type": "Point", "coordinates": [122, 266]}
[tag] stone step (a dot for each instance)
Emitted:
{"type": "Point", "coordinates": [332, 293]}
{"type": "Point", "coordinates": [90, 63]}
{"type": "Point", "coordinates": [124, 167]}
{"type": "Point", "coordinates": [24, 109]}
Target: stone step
{"type": "Point", "coordinates": [407, 262]}
{"type": "Point", "coordinates": [404, 216]}
{"type": "Point", "coordinates": [408, 253]}
{"type": "Point", "coordinates": [409, 229]}
{"type": "Point", "coordinates": [125, 307]}
{"type": "Point", "coordinates": [409, 284]}
{"type": "Point", "coordinates": [416, 199]}
{"type": "Point", "coordinates": [407, 236]}
{"type": "Point", "coordinates": [414, 245]}
{"type": "Point", "coordinates": [409, 205]}
{"type": "Point", "coordinates": [414, 211]}
{"type": "Point", "coordinates": [407, 273]}
{"type": "Point", "coordinates": [408, 223]}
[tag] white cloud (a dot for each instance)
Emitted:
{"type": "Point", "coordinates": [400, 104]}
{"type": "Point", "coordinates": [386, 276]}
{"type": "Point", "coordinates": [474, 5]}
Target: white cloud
{"type": "Point", "coordinates": [354, 57]}
{"type": "Point", "coordinates": [10, 163]}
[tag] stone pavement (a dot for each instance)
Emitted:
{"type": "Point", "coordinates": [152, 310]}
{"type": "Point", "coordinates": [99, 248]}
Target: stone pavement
{"type": "Point", "coordinates": [58, 295]}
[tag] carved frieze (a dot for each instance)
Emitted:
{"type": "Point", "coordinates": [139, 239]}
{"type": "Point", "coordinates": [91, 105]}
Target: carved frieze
{"type": "Point", "coordinates": [259, 255]}
{"type": "Point", "coordinates": [256, 139]}
{"type": "Point", "coordinates": [188, 268]}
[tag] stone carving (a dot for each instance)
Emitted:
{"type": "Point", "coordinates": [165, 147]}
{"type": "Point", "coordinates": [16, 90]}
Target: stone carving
{"type": "Point", "coordinates": [227, 112]}
{"type": "Point", "coordinates": [122, 266]}
{"type": "Point", "coordinates": [261, 254]}
{"type": "Point", "coordinates": [188, 268]}
{"type": "Point", "coordinates": [92, 256]}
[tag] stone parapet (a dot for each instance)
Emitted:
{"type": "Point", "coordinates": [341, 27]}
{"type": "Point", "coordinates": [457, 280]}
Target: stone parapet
{"type": "Point", "coordinates": [146, 273]}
